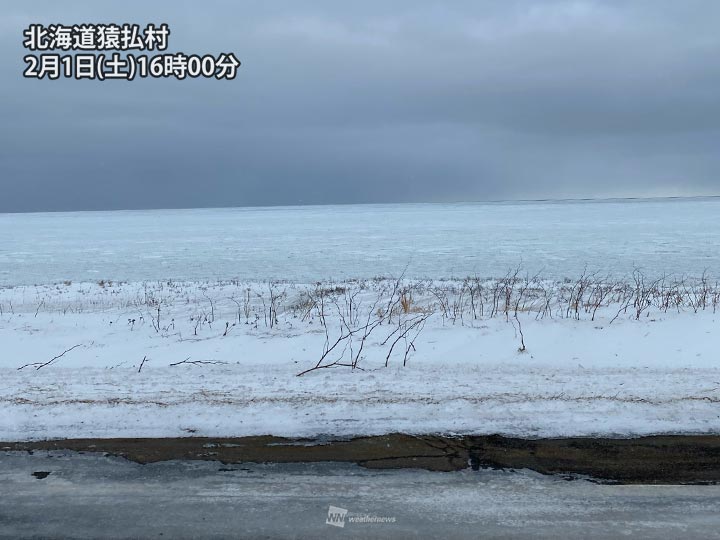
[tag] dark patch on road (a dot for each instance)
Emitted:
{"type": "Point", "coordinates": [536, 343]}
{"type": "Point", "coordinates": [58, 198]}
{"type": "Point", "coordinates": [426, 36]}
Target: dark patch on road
{"type": "Point", "coordinates": [41, 474]}
{"type": "Point", "coordinates": [667, 459]}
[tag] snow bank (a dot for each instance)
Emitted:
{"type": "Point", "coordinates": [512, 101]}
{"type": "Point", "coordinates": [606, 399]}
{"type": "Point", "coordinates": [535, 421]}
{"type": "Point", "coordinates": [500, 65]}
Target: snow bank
{"type": "Point", "coordinates": [218, 363]}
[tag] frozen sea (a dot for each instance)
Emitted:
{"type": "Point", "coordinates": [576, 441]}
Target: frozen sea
{"type": "Point", "coordinates": [311, 243]}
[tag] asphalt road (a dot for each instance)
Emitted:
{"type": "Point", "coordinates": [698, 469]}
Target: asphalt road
{"type": "Point", "coordinates": [91, 496]}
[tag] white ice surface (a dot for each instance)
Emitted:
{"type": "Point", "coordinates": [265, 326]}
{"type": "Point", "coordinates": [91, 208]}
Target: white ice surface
{"type": "Point", "coordinates": [310, 243]}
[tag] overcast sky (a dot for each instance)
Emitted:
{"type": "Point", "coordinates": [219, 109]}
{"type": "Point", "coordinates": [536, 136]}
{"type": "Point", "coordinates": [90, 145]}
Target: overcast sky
{"type": "Point", "coordinates": [373, 101]}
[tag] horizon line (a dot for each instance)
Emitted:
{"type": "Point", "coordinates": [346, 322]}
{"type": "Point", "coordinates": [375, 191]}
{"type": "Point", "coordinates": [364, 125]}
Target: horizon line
{"type": "Point", "coordinates": [301, 205]}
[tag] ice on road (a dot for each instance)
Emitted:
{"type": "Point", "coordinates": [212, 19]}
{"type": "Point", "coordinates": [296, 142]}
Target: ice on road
{"type": "Point", "coordinates": [88, 496]}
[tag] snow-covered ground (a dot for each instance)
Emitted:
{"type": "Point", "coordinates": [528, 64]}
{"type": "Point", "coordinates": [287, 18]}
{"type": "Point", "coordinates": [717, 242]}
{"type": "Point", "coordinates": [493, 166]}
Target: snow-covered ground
{"type": "Point", "coordinates": [223, 358]}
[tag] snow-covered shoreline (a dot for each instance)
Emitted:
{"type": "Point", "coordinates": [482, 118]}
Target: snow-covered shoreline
{"type": "Point", "coordinates": [217, 361]}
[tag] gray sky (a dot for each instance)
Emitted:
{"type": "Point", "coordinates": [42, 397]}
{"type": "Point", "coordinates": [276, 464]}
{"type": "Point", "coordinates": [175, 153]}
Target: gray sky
{"type": "Point", "coordinates": [373, 101]}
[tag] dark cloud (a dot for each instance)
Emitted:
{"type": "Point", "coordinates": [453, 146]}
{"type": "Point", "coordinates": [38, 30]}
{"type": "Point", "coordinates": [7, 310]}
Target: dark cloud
{"type": "Point", "coordinates": [371, 102]}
